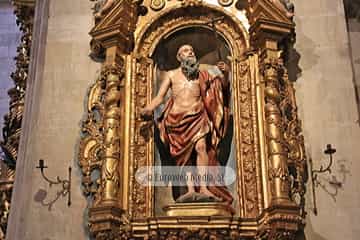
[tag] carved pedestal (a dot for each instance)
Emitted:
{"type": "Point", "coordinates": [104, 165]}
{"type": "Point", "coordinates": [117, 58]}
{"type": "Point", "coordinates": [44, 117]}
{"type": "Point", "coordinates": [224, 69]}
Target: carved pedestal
{"type": "Point", "coordinates": [199, 209]}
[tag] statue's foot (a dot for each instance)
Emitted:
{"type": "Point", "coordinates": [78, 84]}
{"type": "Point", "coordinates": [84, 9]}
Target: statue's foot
{"type": "Point", "coordinates": [189, 194]}
{"type": "Point", "coordinates": [210, 194]}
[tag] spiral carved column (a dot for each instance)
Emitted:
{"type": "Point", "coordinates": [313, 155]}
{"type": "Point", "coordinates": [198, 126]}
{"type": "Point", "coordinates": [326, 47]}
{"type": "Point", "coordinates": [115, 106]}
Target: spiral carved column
{"type": "Point", "coordinates": [283, 216]}
{"type": "Point", "coordinates": [277, 154]}
{"type": "Point", "coordinates": [113, 75]}
{"type": "Point", "coordinates": [105, 214]}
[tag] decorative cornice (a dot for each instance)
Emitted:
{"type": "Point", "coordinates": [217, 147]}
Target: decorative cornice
{"type": "Point", "coordinates": [269, 23]}
{"type": "Point", "coordinates": [115, 28]}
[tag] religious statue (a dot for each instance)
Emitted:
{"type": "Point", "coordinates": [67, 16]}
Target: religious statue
{"type": "Point", "coordinates": [195, 119]}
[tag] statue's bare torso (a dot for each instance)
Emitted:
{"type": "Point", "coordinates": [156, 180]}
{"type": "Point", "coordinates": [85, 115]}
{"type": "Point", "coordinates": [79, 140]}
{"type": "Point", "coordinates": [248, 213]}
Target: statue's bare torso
{"type": "Point", "coordinates": [186, 93]}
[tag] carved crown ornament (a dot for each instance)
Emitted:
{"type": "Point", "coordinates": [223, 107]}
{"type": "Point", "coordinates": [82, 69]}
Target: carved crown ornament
{"type": "Point", "coordinates": [137, 42]}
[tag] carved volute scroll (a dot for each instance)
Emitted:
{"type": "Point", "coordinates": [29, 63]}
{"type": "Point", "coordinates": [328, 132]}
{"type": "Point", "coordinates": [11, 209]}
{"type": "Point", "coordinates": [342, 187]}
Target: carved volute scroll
{"type": "Point", "coordinates": [269, 156]}
{"type": "Point", "coordinates": [294, 140]}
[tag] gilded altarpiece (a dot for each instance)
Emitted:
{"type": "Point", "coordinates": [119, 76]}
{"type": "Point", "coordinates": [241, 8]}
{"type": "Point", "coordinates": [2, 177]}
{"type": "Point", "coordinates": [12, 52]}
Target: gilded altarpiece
{"type": "Point", "coordinates": [269, 153]}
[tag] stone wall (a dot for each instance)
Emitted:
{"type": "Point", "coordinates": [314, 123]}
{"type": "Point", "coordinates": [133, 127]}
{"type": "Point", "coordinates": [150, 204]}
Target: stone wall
{"type": "Point", "coordinates": [55, 105]}
{"type": "Point", "coordinates": [328, 108]}
{"type": "Point", "coordinates": [9, 40]}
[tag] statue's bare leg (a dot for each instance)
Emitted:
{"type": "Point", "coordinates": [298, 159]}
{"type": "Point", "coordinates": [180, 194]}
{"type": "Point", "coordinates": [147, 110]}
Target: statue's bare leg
{"type": "Point", "coordinates": [190, 186]}
{"type": "Point", "coordinates": [202, 160]}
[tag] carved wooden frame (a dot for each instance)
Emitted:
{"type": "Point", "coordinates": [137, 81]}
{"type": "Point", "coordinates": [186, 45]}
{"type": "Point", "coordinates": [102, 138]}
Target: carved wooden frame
{"type": "Point", "coordinates": [169, 22]}
{"type": "Point", "coordinates": [267, 140]}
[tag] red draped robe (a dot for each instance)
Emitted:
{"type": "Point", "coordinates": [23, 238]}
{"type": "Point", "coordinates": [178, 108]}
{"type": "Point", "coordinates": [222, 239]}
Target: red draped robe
{"type": "Point", "coordinates": [209, 118]}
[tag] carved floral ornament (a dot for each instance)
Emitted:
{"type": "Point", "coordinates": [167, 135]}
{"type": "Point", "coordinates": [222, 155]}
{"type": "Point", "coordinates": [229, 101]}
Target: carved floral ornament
{"type": "Point", "coordinates": [269, 151]}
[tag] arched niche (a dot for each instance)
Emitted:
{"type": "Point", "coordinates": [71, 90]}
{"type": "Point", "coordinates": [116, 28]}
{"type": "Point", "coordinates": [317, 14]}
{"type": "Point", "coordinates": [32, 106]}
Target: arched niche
{"type": "Point", "coordinates": [170, 30]}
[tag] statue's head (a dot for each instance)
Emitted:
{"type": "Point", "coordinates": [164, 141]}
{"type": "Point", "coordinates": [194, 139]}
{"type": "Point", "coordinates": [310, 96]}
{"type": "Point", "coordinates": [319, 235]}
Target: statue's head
{"type": "Point", "coordinates": [189, 65]}
{"type": "Point", "coordinates": [186, 51]}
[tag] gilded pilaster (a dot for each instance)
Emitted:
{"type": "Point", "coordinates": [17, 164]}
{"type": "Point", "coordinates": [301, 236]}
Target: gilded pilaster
{"type": "Point", "coordinates": [103, 146]}
{"type": "Point", "coordinates": [272, 32]}
{"type": "Point", "coordinates": [106, 213]}
{"type": "Point", "coordinates": [113, 76]}
{"type": "Point", "coordinates": [277, 154]}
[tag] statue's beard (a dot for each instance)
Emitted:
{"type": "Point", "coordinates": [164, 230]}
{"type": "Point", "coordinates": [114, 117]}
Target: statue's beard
{"type": "Point", "coordinates": [190, 67]}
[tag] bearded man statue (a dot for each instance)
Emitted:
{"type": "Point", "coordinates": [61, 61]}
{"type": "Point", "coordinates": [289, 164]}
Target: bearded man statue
{"type": "Point", "coordinates": [194, 120]}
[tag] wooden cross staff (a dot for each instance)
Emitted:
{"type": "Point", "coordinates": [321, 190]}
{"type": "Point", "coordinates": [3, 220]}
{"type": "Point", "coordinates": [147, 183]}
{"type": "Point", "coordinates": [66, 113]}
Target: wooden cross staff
{"type": "Point", "coordinates": [212, 24]}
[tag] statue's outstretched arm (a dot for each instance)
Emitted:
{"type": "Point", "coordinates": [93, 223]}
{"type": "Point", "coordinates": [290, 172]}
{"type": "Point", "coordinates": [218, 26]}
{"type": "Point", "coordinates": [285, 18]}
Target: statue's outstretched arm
{"type": "Point", "coordinates": [165, 85]}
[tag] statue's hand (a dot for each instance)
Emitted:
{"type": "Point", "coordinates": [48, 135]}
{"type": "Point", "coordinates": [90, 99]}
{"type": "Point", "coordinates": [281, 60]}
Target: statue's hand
{"type": "Point", "coordinates": [223, 67]}
{"type": "Point", "coordinates": [146, 113]}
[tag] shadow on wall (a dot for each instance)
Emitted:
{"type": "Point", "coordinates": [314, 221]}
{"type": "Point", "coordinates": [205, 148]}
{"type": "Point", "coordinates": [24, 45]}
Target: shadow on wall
{"type": "Point", "coordinates": [294, 69]}
{"type": "Point", "coordinates": [332, 183]}
{"type": "Point", "coordinates": [304, 46]}
{"type": "Point", "coordinates": [352, 12]}
{"type": "Point", "coordinates": [352, 9]}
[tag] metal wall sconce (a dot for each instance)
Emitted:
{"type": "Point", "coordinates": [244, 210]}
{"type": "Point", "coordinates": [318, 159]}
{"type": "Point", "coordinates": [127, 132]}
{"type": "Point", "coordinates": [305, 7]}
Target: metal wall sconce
{"type": "Point", "coordinates": [314, 174]}
{"type": "Point", "coordinates": [66, 184]}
